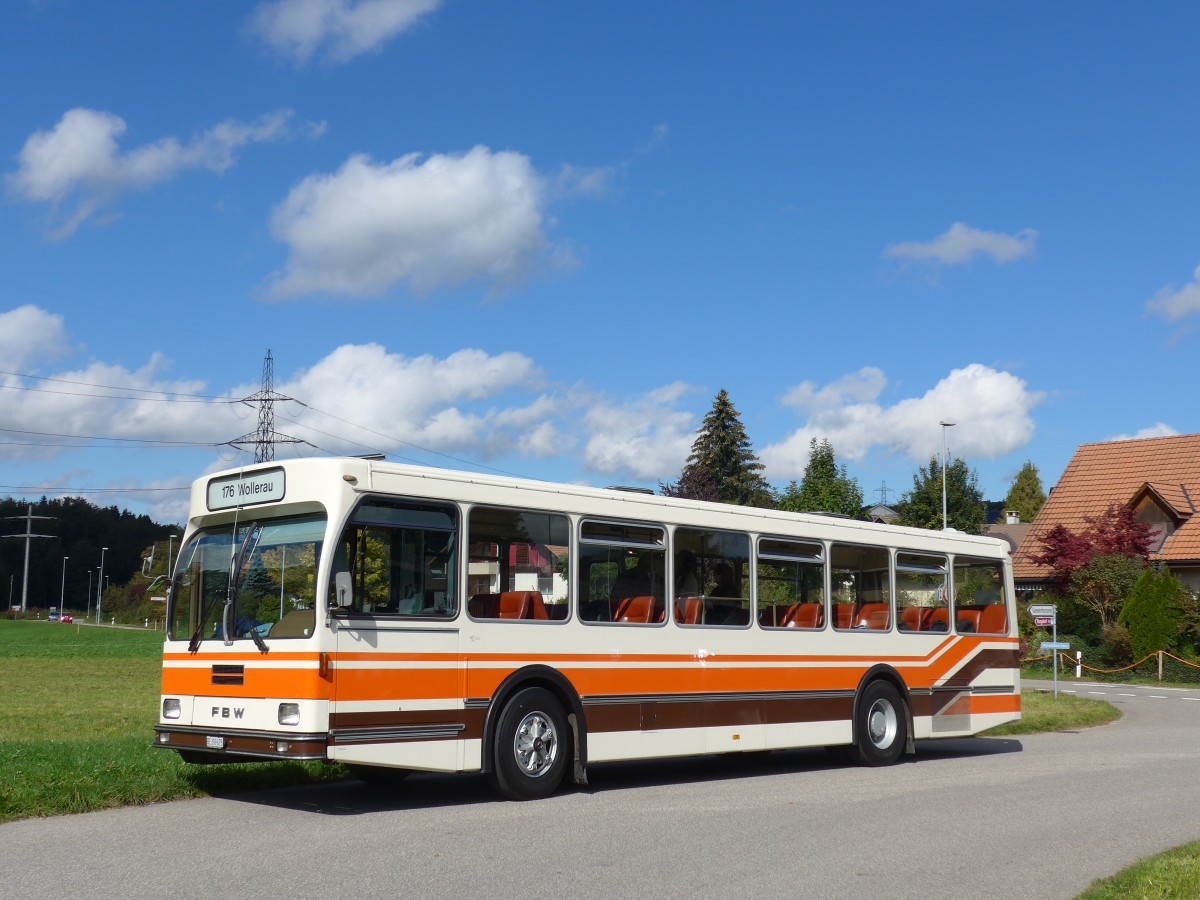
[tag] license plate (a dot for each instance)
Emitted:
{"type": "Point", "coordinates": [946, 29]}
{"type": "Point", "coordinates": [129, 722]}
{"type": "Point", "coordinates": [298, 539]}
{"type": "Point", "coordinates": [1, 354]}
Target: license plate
{"type": "Point", "coordinates": [214, 742]}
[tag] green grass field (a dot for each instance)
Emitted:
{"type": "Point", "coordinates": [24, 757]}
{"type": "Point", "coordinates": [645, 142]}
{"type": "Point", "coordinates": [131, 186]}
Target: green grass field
{"type": "Point", "coordinates": [77, 710]}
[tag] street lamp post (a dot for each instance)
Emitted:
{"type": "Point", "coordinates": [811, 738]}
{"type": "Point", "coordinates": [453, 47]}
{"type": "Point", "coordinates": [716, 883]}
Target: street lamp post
{"type": "Point", "coordinates": [945, 424]}
{"type": "Point", "coordinates": [100, 584]}
{"type": "Point", "coordinates": [62, 591]}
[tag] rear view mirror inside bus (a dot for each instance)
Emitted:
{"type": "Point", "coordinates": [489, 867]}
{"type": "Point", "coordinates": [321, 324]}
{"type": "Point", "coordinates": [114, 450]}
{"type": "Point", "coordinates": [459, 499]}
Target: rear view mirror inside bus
{"type": "Point", "coordinates": [343, 590]}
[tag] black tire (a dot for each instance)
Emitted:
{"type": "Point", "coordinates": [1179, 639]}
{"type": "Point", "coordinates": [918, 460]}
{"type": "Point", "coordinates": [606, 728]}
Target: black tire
{"type": "Point", "coordinates": [531, 747]}
{"type": "Point", "coordinates": [379, 776]}
{"type": "Point", "coordinates": [880, 725]}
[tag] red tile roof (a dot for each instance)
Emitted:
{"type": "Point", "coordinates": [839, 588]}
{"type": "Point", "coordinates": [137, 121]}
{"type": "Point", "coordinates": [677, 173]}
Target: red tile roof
{"type": "Point", "coordinates": [1117, 472]}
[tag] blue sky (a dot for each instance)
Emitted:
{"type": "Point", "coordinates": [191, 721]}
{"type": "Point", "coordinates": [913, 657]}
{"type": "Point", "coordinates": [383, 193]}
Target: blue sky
{"type": "Point", "coordinates": [539, 237]}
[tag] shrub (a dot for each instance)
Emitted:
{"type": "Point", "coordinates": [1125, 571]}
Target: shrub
{"type": "Point", "coordinates": [1117, 648]}
{"type": "Point", "coordinates": [1152, 613]}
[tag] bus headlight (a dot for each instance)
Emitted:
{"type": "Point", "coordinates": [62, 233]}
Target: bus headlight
{"type": "Point", "coordinates": [289, 713]}
{"type": "Point", "coordinates": [170, 708]}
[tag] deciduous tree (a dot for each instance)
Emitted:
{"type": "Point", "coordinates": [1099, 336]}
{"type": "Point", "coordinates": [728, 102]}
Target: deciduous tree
{"type": "Point", "coordinates": [922, 506]}
{"type": "Point", "coordinates": [1116, 531]}
{"type": "Point", "coordinates": [825, 486]}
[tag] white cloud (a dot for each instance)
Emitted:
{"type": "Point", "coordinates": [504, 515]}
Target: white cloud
{"type": "Point", "coordinates": [443, 221]}
{"type": "Point", "coordinates": [29, 335]}
{"type": "Point", "coordinates": [78, 163]}
{"type": "Point", "coordinates": [1158, 429]}
{"type": "Point", "coordinates": [990, 408]}
{"type": "Point", "coordinates": [449, 405]}
{"type": "Point", "coordinates": [338, 29]}
{"type": "Point", "coordinates": [1174, 303]}
{"type": "Point", "coordinates": [121, 408]}
{"type": "Point", "coordinates": [961, 243]}
{"type": "Point", "coordinates": [647, 439]}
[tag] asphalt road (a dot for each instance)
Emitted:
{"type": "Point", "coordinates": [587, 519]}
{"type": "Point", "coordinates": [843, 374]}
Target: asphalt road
{"type": "Point", "coordinates": [1041, 816]}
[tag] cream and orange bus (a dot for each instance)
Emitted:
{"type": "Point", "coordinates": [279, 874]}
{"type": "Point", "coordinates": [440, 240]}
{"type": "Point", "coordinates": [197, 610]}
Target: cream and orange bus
{"type": "Point", "coordinates": [396, 618]}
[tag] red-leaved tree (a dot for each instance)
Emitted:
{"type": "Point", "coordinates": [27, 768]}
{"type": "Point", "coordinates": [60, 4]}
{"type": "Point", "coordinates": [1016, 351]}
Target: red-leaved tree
{"type": "Point", "coordinates": [1116, 531]}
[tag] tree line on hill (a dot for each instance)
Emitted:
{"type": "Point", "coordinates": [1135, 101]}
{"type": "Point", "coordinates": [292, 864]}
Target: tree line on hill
{"type": "Point", "coordinates": [78, 530]}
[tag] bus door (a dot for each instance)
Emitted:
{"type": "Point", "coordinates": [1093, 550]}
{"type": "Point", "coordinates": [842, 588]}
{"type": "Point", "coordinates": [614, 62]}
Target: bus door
{"type": "Point", "coordinates": [396, 676]}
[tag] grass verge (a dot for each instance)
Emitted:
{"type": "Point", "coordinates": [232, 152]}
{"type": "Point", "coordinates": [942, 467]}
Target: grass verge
{"type": "Point", "coordinates": [1166, 876]}
{"type": "Point", "coordinates": [1042, 712]}
{"type": "Point", "coordinates": [77, 711]}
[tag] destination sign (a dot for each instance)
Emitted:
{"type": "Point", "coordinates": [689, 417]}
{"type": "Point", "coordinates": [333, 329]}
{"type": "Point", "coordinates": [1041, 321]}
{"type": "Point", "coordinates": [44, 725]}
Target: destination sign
{"type": "Point", "coordinates": [1043, 609]}
{"type": "Point", "coordinates": [246, 489]}
{"type": "Point", "coordinates": [1043, 621]}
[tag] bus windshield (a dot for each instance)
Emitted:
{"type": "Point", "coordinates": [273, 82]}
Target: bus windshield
{"type": "Point", "coordinates": [273, 563]}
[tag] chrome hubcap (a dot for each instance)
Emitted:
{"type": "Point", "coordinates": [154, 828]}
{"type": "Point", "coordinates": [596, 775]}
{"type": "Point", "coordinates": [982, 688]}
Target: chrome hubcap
{"type": "Point", "coordinates": [536, 744]}
{"type": "Point", "coordinates": [882, 724]}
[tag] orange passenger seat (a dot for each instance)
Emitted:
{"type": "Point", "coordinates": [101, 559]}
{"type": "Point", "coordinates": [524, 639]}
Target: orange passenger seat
{"type": "Point", "coordinates": [994, 619]}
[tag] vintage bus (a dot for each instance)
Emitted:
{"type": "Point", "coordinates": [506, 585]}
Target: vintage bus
{"type": "Point", "coordinates": [397, 618]}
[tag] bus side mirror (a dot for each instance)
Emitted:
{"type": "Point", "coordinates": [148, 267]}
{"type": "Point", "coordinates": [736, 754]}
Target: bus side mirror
{"type": "Point", "coordinates": [343, 590]}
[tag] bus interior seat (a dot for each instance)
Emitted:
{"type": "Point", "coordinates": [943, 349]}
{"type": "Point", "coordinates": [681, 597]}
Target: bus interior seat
{"type": "Point", "coordinates": [994, 619]}
{"type": "Point", "coordinates": [843, 615]}
{"type": "Point", "coordinates": [937, 620]}
{"type": "Point", "coordinates": [873, 616]}
{"type": "Point", "coordinates": [689, 610]}
{"type": "Point", "coordinates": [514, 605]}
{"type": "Point", "coordinates": [967, 620]}
{"type": "Point", "coordinates": [638, 609]}
{"type": "Point", "coordinates": [910, 618]}
{"type": "Point", "coordinates": [804, 615]}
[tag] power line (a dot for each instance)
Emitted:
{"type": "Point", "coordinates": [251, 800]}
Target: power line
{"type": "Point", "coordinates": [116, 387]}
{"type": "Point", "coordinates": [95, 437]}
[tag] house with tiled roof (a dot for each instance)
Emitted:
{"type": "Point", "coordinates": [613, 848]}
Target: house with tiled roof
{"type": "Point", "coordinates": [1158, 477]}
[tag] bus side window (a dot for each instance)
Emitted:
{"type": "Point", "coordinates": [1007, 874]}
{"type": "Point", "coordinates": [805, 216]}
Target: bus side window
{"type": "Point", "coordinates": [861, 596]}
{"type": "Point", "coordinates": [518, 569]}
{"type": "Point", "coordinates": [921, 590]}
{"type": "Point", "coordinates": [791, 584]}
{"type": "Point", "coordinates": [622, 573]}
{"type": "Point", "coordinates": [722, 561]}
{"type": "Point", "coordinates": [980, 604]}
{"type": "Point", "coordinates": [401, 559]}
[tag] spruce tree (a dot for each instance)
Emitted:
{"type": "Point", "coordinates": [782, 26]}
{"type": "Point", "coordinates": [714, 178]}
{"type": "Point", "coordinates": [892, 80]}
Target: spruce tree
{"type": "Point", "coordinates": [825, 486]}
{"type": "Point", "coordinates": [1026, 495]}
{"type": "Point", "coordinates": [722, 463]}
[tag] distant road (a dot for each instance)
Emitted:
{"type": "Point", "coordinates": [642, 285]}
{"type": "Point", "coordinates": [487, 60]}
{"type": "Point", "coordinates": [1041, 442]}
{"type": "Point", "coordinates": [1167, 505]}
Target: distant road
{"type": "Point", "coordinates": [1041, 816]}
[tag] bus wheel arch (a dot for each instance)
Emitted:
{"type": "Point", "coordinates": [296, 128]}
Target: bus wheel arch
{"type": "Point", "coordinates": [882, 718]}
{"type": "Point", "coordinates": [560, 687]}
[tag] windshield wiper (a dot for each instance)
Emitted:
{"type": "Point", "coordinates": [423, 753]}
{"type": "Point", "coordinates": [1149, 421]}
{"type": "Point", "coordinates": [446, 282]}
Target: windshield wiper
{"type": "Point", "coordinates": [238, 567]}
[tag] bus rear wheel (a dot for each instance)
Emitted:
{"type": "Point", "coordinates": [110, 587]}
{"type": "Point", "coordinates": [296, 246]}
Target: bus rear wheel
{"type": "Point", "coordinates": [880, 725]}
{"type": "Point", "coordinates": [531, 747]}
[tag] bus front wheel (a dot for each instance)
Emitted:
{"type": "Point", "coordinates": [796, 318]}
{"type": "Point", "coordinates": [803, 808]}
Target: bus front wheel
{"type": "Point", "coordinates": [531, 747]}
{"type": "Point", "coordinates": [880, 725]}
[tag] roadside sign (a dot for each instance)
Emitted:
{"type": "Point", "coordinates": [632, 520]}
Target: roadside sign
{"type": "Point", "coordinates": [1055, 645]}
{"type": "Point", "coordinates": [1043, 609]}
{"type": "Point", "coordinates": [1043, 621]}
